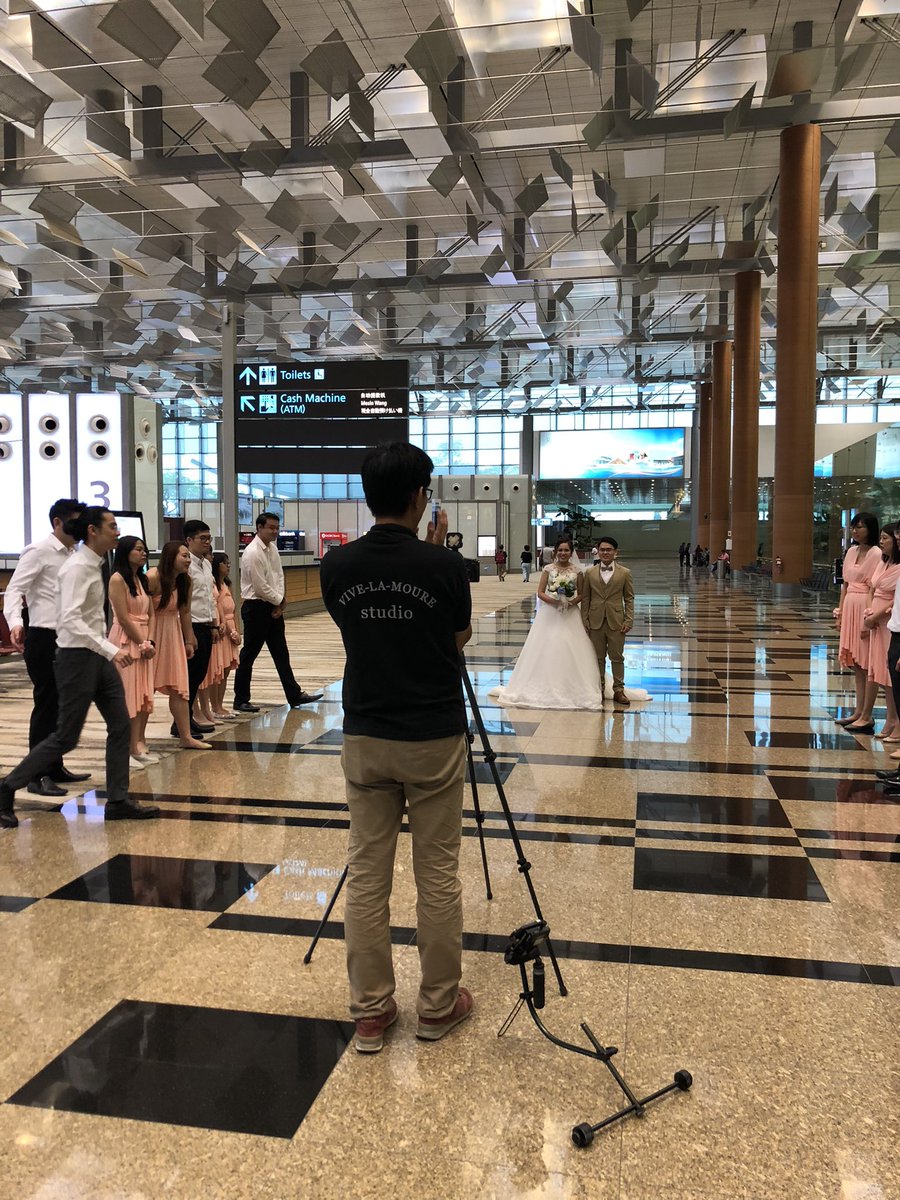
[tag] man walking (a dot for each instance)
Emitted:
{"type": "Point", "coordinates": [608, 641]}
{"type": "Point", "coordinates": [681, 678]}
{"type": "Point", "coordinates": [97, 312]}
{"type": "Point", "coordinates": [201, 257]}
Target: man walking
{"type": "Point", "coordinates": [525, 560]}
{"type": "Point", "coordinates": [85, 674]}
{"type": "Point", "coordinates": [500, 560]}
{"type": "Point", "coordinates": [404, 610]}
{"type": "Point", "coordinates": [262, 614]}
{"type": "Point", "coordinates": [607, 610]}
{"type": "Point", "coordinates": [35, 583]}
{"type": "Point", "coordinates": [204, 616]}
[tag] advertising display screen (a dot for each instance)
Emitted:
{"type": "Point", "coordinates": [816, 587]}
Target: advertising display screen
{"type": "Point", "coordinates": [317, 416]}
{"type": "Point", "coordinates": [612, 454]}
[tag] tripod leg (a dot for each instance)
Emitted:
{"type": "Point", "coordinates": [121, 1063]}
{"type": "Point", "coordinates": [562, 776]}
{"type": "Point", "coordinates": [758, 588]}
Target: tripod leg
{"type": "Point", "coordinates": [307, 957]}
{"type": "Point", "coordinates": [524, 865]}
{"type": "Point", "coordinates": [479, 822]}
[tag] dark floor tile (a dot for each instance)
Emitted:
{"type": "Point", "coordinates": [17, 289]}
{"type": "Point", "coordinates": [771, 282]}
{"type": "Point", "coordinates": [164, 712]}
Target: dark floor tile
{"type": "Point", "coordinates": [212, 1068]}
{"type": "Point", "coordinates": [884, 856]}
{"type": "Point", "coordinates": [701, 835]}
{"type": "Point", "coordinates": [779, 740]}
{"type": "Point", "coordinates": [831, 789]}
{"type": "Point", "coordinates": [205, 885]}
{"type": "Point", "coordinates": [778, 676]}
{"type": "Point", "coordinates": [15, 904]}
{"type": "Point", "coordinates": [718, 873]}
{"type": "Point", "coordinates": [711, 810]}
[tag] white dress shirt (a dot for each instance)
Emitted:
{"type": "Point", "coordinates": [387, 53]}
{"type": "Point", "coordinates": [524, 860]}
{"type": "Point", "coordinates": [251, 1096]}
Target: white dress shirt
{"type": "Point", "coordinates": [203, 603]}
{"type": "Point", "coordinates": [894, 619]}
{"type": "Point", "coordinates": [607, 573]}
{"type": "Point", "coordinates": [262, 576]}
{"type": "Point", "coordinates": [35, 582]}
{"type": "Point", "coordinates": [80, 620]}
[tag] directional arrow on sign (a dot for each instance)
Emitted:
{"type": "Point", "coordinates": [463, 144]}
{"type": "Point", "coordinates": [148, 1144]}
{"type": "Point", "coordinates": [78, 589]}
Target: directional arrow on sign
{"type": "Point", "coordinates": [247, 404]}
{"type": "Point", "coordinates": [248, 375]}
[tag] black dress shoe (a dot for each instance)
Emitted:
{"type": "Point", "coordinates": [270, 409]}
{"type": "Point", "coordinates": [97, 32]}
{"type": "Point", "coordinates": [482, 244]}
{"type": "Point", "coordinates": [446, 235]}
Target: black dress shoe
{"type": "Point", "coordinates": [892, 776]}
{"type": "Point", "coordinates": [8, 819]}
{"type": "Point", "coordinates": [196, 730]}
{"type": "Point", "coordinates": [46, 787]}
{"type": "Point", "coordinates": [248, 707]}
{"type": "Point", "coordinates": [306, 698]}
{"type": "Point", "coordinates": [127, 810]}
{"type": "Point", "coordinates": [64, 775]}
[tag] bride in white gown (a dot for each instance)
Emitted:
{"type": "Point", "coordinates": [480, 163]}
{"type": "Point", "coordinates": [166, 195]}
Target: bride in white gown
{"type": "Point", "coordinates": [558, 667]}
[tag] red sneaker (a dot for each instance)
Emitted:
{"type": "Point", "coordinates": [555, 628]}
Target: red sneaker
{"type": "Point", "coordinates": [370, 1030]}
{"type": "Point", "coordinates": [432, 1029]}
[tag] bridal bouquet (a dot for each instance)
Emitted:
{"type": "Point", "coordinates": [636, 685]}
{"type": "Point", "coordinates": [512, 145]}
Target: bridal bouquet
{"type": "Point", "coordinates": [563, 590]}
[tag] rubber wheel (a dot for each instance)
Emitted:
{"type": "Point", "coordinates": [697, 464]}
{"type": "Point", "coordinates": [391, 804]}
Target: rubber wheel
{"type": "Point", "coordinates": [684, 1079]}
{"type": "Point", "coordinates": [582, 1135]}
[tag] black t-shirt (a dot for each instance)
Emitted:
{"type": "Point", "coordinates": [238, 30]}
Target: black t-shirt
{"type": "Point", "coordinates": [525, 556]}
{"type": "Point", "coordinates": [398, 603]}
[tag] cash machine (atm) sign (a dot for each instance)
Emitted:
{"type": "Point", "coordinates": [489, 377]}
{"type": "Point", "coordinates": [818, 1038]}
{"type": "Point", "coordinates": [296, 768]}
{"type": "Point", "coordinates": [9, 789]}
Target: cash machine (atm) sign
{"type": "Point", "coordinates": [361, 389]}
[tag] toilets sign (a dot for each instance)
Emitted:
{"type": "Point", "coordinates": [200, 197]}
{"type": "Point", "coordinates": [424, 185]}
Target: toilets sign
{"type": "Point", "coordinates": [346, 390]}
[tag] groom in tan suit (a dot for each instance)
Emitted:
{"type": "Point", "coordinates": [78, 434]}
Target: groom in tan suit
{"type": "Point", "coordinates": [607, 610]}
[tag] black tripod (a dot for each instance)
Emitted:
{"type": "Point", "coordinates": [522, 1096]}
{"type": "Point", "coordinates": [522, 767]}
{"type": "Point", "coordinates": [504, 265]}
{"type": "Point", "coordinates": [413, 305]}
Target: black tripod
{"type": "Point", "coordinates": [524, 947]}
{"type": "Point", "coordinates": [524, 865]}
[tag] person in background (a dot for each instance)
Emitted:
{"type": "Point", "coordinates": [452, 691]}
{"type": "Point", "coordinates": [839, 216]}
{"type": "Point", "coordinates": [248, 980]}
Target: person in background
{"type": "Point", "coordinates": [204, 616]}
{"type": "Point", "coordinates": [525, 560]}
{"type": "Point", "coordinates": [134, 630]}
{"type": "Point", "coordinates": [682, 551]}
{"type": "Point", "coordinates": [500, 560]}
{"type": "Point", "coordinates": [169, 585]}
{"type": "Point", "coordinates": [262, 616]}
{"type": "Point", "coordinates": [86, 674]}
{"type": "Point", "coordinates": [34, 584]}
{"type": "Point", "coordinates": [859, 567]}
{"type": "Point", "coordinates": [224, 658]}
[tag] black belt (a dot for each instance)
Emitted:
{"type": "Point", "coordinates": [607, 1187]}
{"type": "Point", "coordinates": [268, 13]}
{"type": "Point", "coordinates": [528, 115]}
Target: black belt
{"type": "Point", "coordinates": [206, 624]}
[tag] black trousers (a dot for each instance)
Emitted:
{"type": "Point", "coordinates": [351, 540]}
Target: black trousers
{"type": "Point", "coordinates": [40, 653]}
{"type": "Point", "coordinates": [199, 664]}
{"type": "Point", "coordinates": [83, 678]}
{"type": "Point", "coordinates": [262, 629]}
{"type": "Point", "coordinates": [893, 662]}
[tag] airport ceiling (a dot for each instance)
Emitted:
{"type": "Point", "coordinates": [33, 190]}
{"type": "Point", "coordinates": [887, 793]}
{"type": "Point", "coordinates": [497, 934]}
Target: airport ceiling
{"type": "Point", "coordinates": [526, 198]}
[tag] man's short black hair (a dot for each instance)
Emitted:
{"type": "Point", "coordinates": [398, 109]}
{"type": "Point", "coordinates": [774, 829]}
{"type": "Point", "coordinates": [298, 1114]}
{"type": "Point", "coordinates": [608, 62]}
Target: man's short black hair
{"type": "Point", "coordinates": [91, 515]}
{"type": "Point", "coordinates": [392, 475]}
{"type": "Point", "coordinates": [610, 541]}
{"type": "Point", "coordinates": [192, 528]}
{"type": "Point", "coordinates": [63, 509]}
{"type": "Point", "coordinates": [263, 519]}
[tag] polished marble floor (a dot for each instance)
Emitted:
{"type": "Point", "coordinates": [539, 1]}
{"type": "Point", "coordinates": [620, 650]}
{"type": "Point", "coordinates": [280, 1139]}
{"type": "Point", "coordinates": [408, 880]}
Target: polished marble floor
{"type": "Point", "coordinates": [719, 868]}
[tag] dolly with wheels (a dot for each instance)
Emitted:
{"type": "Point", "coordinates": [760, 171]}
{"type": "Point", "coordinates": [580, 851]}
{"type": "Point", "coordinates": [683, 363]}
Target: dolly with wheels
{"type": "Point", "coordinates": [524, 947]}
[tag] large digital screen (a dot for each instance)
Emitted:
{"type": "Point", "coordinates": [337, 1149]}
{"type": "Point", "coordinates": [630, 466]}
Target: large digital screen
{"type": "Point", "coordinates": [317, 416]}
{"type": "Point", "coordinates": [612, 454]}
{"type": "Point", "coordinates": [887, 453]}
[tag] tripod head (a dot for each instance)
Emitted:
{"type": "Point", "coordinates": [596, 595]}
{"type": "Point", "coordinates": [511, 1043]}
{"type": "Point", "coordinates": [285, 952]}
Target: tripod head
{"type": "Point", "coordinates": [526, 943]}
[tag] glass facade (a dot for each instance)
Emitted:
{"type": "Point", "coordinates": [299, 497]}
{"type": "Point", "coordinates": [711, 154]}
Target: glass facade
{"type": "Point", "coordinates": [190, 461]}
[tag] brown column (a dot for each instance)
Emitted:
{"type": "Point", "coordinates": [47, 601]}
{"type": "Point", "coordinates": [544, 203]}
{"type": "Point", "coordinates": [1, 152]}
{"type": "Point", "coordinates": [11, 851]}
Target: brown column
{"type": "Point", "coordinates": [720, 463]}
{"type": "Point", "coordinates": [795, 355]}
{"type": "Point", "coordinates": [704, 450]}
{"type": "Point", "coordinates": [745, 429]}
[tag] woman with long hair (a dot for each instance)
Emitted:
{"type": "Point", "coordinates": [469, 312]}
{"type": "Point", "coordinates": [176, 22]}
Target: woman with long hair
{"type": "Point", "coordinates": [885, 578]}
{"type": "Point", "coordinates": [223, 659]}
{"type": "Point", "coordinates": [134, 629]}
{"type": "Point", "coordinates": [859, 566]}
{"type": "Point", "coordinates": [169, 585]}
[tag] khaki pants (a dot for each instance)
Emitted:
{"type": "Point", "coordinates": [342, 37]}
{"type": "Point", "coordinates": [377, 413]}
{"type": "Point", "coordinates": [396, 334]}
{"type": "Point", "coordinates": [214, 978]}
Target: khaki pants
{"type": "Point", "coordinates": [610, 642]}
{"type": "Point", "coordinates": [382, 777]}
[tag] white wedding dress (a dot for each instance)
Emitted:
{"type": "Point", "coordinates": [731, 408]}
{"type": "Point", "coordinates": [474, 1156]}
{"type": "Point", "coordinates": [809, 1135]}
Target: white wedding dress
{"type": "Point", "coordinates": [558, 666]}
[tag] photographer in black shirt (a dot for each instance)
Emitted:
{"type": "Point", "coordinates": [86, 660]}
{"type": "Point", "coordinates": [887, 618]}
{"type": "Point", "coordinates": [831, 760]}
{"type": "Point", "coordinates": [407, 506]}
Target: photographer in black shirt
{"type": "Point", "coordinates": [404, 611]}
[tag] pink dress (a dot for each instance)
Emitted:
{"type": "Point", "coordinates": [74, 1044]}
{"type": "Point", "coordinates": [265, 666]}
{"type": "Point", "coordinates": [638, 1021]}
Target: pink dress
{"type": "Point", "coordinates": [214, 670]}
{"type": "Point", "coordinates": [228, 658]}
{"type": "Point", "coordinates": [137, 677]}
{"type": "Point", "coordinates": [170, 677]}
{"type": "Point", "coordinates": [884, 578]}
{"type": "Point", "coordinates": [859, 567]}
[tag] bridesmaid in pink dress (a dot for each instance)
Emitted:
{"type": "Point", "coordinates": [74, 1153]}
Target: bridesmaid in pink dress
{"type": "Point", "coordinates": [884, 583]}
{"type": "Point", "coordinates": [134, 630]}
{"type": "Point", "coordinates": [169, 585]}
{"type": "Point", "coordinates": [860, 562]}
{"type": "Point", "coordinates": [226, 647]}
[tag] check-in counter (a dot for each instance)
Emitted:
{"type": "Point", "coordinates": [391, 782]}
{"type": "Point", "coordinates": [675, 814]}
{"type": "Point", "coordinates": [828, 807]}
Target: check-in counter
{"type": "Point", "coordinates": [302, 586]}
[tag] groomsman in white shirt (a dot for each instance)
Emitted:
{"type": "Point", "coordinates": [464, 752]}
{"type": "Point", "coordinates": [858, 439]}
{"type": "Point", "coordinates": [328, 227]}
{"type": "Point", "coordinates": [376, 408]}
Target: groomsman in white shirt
{"type": "Point", "coordinates": [204, 616]}
{"type": "Point", "coordinates": [35, 583]}
{"type": "Point", "coordinates": [262, 614]}
{"type": "Point", "coordinates": [85, 674]}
